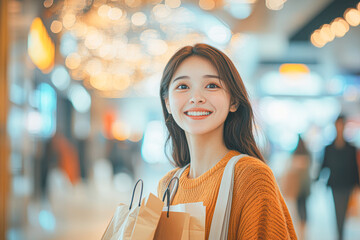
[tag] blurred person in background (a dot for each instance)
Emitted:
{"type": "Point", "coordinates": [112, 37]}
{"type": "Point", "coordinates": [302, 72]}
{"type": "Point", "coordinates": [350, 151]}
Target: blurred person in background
{"type": "Point", "coordinates": [340, 159]}
{"type": "Point", "coordinates": [296, 183]}
{"type": "Point", "coordinates": [59, 152]}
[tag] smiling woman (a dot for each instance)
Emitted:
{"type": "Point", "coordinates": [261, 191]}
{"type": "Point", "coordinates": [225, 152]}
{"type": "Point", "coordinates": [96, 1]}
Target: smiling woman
{"type": "Point", "coordinates": [210, 123]}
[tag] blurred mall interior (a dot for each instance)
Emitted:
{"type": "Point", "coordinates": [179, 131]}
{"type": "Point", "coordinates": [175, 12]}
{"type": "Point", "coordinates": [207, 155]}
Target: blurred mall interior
{"type": "Point", "coordinates": [81, 120]}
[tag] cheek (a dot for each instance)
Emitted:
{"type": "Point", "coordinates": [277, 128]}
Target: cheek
{"type": "Point", "coordinates": [222, 100]}
{"type": "Point", "coordinates": [176, 102]}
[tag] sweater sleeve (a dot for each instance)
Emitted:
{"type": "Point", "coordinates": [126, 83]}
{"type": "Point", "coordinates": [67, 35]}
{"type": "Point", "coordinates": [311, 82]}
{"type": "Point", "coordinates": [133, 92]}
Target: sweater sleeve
{"type": "Point", "coordinates": [263, 214]}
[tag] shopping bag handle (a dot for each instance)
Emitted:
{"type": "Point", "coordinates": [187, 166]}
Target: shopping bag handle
{"type": "Point", "coordinates": [132, 198]}
{"type": "Point", "coordinates": [167, 193]}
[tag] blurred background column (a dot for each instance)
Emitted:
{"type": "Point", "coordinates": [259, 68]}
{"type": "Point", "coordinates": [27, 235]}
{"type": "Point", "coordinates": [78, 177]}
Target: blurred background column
{"type": "Point", "coordinates": [4, 150]}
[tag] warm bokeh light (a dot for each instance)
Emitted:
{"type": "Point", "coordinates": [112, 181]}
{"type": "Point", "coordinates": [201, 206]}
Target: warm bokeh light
{"type": "Point", "coordinates": [275, 4]}
{"type": "Point", "coordinates": [133, 3]}
{"type": "Point", "coordinates": [115, 13]}
{"type": "Point", "coordinates": [207, 4]}
{"type": "Point", "coordinates": [292, 68]}
{"type": "Point", "coordinates": [73, 61]}
{"type": "Point", "coordinates": [41, 49]}
{"type": "Point", "coordinates": [161, 11]}
{"type": "Point", "coordinates": [326, 33]}
{"type": "Point", "coordinates": [138, 18]}
{"type": "Point", "coordinates": [120, 131]}
{"type": "Point", "coordinates": [103, 10]}
{"type": "Point", "coordinates": [352, 16]}
{"type": "Point", "coordinates": [339, 27]}
{"type": "Point", "coordinates": [78, 74]}
{"type": "Point", "coordinates": [157, 47]}
{"type": "Point", "coordinates": [48, 3]}
{"type": "Point", "coordinates": [93, 39]}
{"type": "Point", "coordinates": [106, 51]}
{"type": "Point", "coordinates": [79, 29]}
{"type": "Point", "coordinates": [94, 67]}
{"type": "Point", "coordinates": [135, 137]}
{"type": "Point", "coordinates": [56, 26]}
{"type": "Point", "coordinates": [316, 39]}
{"type": "Point", "coordinates": [101, 82]}
{"type": "Point", "coordinates": [69, 20]}
{"type": "Point", "coordinates": [121, 83]}
{"type": "Point", "coordinates": [173, 3]}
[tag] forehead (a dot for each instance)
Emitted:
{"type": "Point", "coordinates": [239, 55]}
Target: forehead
{"type": "Point", "coordinates": [195, 65]}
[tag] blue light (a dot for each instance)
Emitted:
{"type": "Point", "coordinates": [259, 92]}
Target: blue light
{"type": "Point", "coordinates": [47, 220]}
{"type": "Point", "coordinates": [17, 94]}
{"type": "Point", "coordinates": [219, 34]}
{"type": "Point", "coordinates": [68, 44]}
{"type": "Point", "coordinates": [47, 98]}
{"type": "Point", "coordinates": [47, 108]}
{"type": "Point", "coordinates": [239, 10]}
{"type": "Point", "coordinates": [15, 123]}
{"type": "Point", "coordinates": [274, 83]}
{"type": "Point", "coordinates": [152, 149]}
{"type": "Point", "coordinates": [79, 98]}
{"type": "Point", "coordinates": [60, 77]}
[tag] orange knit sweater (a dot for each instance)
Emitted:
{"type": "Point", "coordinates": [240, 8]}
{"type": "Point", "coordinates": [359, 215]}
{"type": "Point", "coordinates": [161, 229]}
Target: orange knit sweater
{"type": "Point", "coordinates": [258, 209]}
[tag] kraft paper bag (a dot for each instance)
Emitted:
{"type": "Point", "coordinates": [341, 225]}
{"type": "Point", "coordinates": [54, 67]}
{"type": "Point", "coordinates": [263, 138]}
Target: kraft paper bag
{"type": "Point", "coordinates": [174, 227]}
{"type": "Point", "coordinates": [112, 231]}
{"type": "Point", "coordinates": [139, 223]}
{"type": "Point", "coordinates": [147, 219]}
{"type": "Point", "coordinates": [197, 213]}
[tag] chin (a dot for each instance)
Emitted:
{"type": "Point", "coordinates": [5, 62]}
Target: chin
{"type": "Point", "coordinates": [200, 131]}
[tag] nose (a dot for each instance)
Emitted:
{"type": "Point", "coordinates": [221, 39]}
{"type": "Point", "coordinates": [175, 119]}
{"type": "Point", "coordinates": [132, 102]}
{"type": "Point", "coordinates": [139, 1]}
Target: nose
{"type": "Point", "coordinates": [197, 98]}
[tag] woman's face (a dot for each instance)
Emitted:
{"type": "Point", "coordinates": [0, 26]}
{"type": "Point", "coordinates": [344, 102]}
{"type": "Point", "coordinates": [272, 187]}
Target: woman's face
{"type": "Point", "coordinates": [198, 99]}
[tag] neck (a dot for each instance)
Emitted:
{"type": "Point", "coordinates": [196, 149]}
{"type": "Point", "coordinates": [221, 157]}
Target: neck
{"type": "Point", "coordinates": [205, 151]}
{"type": "Point", "coordinates": [339, 142]}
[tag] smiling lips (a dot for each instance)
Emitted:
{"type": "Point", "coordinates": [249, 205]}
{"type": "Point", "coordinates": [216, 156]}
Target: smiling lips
{"type": "Point", "coordinates": [198, 113]}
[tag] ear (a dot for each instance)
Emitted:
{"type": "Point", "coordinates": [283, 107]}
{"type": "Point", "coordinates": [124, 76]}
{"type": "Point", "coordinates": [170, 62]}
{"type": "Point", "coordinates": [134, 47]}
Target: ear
{"type": "Point", "coordinates": [167, 105]}
{"type": "Point", "coordinates": [234, 107]}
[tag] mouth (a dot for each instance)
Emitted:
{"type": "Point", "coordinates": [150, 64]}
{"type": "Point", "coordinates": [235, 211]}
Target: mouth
{"type": "Point", "coordinates": [198, 114]}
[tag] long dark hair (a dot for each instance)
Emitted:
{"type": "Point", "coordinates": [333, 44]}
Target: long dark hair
{"type": "Point", "coordinates": [238, 129]}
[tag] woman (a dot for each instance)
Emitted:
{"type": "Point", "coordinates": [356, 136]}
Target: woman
{"type": "Point", "coordinates": [209, 118]}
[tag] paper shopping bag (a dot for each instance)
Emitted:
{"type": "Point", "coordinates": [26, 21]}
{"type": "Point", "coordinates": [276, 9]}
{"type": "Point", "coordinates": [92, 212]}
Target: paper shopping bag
{"type": "Point", "coordinates": [174, 227]}
{"type": "Point", "coordinates": [112, 231]}
{"type": "Point", "coordinates": [197, 213]}
{"type": "Point", "coordinates": [147, 219]}
{"type": "Point", "coordinates": [138, 223]}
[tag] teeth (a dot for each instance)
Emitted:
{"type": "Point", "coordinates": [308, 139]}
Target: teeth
{"type": "Point", "coordinates": [198, 113]}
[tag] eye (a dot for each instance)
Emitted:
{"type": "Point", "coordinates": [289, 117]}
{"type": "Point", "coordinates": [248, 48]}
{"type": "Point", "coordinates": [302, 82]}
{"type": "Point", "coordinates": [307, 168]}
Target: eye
{"type": "Point", "coordinates": [212, 85]}
{"type": "Point", "coordinates": [182, 86]}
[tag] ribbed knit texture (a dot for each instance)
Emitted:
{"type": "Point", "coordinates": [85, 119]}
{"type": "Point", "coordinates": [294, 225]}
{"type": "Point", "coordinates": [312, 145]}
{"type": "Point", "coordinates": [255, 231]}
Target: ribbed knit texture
{"type": "Point", "coordinates": [258, 208]}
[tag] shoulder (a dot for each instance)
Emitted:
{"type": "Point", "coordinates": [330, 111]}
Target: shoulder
{"type": "Point", "coordinates": [252, 173]}
{"type": "Point", "coordinates": [252, 166]}
{"type": "Point", "coordinates": [351, 146]}
{"type": "Point", "coordinates": [164, 181]}
{"type": "Point", "coordinates": [330, 146]}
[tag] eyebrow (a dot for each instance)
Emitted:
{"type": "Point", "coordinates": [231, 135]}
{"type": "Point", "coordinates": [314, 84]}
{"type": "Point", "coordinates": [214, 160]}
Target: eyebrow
{"type": "Point", "coordinates": [205, 76]}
